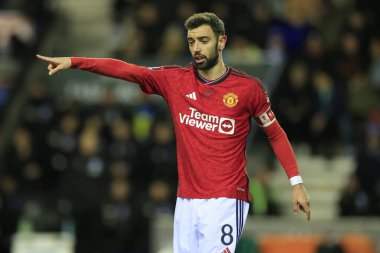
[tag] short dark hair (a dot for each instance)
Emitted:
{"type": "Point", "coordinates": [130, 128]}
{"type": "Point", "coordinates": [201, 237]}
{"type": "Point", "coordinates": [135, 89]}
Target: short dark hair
{"type": "Point", "coordinates": [206, 18]}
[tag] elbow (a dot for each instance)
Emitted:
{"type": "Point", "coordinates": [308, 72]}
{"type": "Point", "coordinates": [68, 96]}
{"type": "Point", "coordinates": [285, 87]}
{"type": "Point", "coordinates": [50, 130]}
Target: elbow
{"type": "Point", "coordinates": [274, 132]}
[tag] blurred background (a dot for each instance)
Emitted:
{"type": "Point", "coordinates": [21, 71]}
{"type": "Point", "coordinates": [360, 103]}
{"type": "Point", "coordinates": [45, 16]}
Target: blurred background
{"type": "Point", "coordinates": [88, 165]}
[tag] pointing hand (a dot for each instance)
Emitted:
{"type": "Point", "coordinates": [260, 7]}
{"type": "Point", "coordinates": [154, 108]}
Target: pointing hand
{"type": "Point", "coordinates": [56, 64]}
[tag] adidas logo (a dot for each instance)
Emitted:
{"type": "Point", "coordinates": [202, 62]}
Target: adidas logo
{"type": "Point", "coordinates": [192, 96]}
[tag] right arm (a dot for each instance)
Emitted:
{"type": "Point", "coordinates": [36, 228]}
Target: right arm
{"type": "Point", "coordinates": [108, 67]}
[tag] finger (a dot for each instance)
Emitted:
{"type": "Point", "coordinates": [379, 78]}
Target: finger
{"type": "Point", "coordinates": [56, 70]}
{"type": "Point", "coordinates": [53, 71]}
{"type": "Point", "coordinates": [45, 58]}
{"type": "Point", "coordinates": [50, 67]}
{"type": "Point", "coordinates": [305, 208]}
{"type": "Point", "coordinates": [308, 214]}
{"type": "Point", "coordinates": [295, 208]}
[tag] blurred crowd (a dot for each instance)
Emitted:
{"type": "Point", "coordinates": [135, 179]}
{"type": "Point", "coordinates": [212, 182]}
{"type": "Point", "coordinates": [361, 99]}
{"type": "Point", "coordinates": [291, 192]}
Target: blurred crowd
{"type": "Point", "coordinates": [103, 170]}
{"type": "Point", "coordinates": [23, 26]}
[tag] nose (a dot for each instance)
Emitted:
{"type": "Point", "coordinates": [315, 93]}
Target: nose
{"type": "Point", "coordinates": [196, 47]}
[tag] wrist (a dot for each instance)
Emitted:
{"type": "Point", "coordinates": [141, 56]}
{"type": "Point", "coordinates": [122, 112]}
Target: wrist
{"type": "Point", "coordinates": [74, 62]}
{"type": "Point", "coordinates": [296, 180]}
{"type": "Point", "coordinates": [297, 186]}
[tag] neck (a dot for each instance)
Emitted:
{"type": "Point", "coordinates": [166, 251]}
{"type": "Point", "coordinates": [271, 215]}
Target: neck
{"type": "Point", "coordinates": [215, 72]}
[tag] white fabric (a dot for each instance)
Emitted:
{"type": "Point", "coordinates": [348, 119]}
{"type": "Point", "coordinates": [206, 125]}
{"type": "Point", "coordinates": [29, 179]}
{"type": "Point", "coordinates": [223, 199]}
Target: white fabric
{"type": "Point", "coordinates": [208, 225]}
{"type": "Point", "coordinates": [296, 180]}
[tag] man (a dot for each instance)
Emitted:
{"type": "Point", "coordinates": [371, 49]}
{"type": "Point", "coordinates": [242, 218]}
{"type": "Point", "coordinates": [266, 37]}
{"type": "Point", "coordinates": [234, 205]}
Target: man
{"type": "Point", "coordinates": [211, 105]}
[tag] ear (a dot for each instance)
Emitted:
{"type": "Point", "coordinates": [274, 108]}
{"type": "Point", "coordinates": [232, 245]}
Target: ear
{"type": "Point", "coordinates": [222, 42]}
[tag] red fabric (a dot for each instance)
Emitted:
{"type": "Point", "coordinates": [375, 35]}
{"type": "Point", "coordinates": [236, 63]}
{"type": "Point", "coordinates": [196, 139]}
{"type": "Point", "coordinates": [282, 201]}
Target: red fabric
{"type": "Point", "coordinates": [282, 148]}
{"type": "Point", "coordinates": [211, 121]}
{"type": "Point", "coordinates": [112, 68]}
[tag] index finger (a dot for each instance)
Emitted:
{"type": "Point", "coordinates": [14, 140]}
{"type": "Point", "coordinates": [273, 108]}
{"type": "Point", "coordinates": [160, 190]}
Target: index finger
{"type": "Point", "coordinates": [45, 58]}
{"type": "Point", "coordinates": [306, 209]}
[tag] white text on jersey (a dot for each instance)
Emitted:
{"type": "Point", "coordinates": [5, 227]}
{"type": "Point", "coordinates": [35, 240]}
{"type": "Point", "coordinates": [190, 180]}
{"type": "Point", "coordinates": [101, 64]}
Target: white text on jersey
{"type": "Point", "coordinates": [207, 122]}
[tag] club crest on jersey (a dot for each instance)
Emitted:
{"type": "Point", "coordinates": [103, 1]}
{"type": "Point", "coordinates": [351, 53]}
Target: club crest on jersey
{"type": "Point", "coordinates": [230, 99]}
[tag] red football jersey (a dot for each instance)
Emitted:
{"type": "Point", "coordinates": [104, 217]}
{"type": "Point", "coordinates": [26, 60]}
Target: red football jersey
{"type": "Point", "coordinates": [211, 121]}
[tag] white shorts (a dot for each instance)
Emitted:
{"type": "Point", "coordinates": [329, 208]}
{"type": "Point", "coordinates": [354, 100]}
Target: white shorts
{"type": "Point", "coordinates": [208, 225]}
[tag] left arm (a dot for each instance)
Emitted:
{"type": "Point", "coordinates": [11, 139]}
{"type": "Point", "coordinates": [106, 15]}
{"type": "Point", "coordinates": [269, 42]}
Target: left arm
{"type": "Point", "coordinates": [284, 152]}
{"type": "Point", "coordinates": [260, 109]}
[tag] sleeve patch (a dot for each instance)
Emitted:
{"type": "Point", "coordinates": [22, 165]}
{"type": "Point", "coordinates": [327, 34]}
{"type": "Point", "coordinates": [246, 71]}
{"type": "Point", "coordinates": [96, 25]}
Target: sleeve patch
{"type": "Point", "coordinates": [155, 68]}
{"type": "Point", "coordinates": [266, 118]}
{"type": "Point", "coordinates": [163, 67]}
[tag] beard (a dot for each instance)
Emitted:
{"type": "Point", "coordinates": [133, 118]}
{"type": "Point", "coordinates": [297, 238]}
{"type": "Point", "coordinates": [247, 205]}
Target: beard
{"type": "Point", "coordinates": [208, 62]}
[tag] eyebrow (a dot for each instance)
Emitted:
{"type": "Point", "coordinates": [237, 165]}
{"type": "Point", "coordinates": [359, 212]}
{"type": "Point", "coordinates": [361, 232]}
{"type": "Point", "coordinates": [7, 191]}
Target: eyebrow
{"type": "Point", "coordinates": [199, 38]}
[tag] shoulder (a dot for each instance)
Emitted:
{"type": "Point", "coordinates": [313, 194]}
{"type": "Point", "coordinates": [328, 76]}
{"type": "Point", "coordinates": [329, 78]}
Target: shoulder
{"type": "Point", "coordinates": [253, 82]}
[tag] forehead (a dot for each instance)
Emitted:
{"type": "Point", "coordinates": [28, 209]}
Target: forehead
{"type": "Point", "coordinates": [200, 31]}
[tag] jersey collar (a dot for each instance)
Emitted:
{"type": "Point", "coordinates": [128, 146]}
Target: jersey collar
{"type": "Point", "coordinates": [216, 81]}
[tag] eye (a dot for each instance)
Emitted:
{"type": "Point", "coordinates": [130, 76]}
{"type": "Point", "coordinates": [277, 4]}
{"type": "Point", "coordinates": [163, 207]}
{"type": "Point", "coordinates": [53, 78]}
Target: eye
{"type": "Point", "coordinates": [204, 41]}
{"type": "Point", "coordinates": [191, 42]}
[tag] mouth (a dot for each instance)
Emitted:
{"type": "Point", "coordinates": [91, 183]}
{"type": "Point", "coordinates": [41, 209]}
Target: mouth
{"type": "Point", "coordinates": [199, 59]}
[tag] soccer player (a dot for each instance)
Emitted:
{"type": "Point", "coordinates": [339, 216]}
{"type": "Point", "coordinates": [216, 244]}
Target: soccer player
{"type": "Point", "coordinates": [211, 105]}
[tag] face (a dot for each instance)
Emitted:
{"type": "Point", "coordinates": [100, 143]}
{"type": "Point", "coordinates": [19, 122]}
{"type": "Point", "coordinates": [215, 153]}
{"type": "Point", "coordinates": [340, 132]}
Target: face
{"type": "Point", "coordinates": [205, 46]}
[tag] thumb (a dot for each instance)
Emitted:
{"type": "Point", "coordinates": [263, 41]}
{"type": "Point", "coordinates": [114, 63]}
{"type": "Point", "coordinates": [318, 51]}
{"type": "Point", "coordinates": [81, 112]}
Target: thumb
{"type": "Point", "coordinates": [55, 70]}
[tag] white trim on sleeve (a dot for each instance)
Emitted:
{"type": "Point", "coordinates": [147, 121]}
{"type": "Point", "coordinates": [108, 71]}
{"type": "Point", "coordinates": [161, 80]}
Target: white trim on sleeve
{"type": "Point", "coordinates": [296, 180]}
{"type": "Point", "coordinates": [266, 118]}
